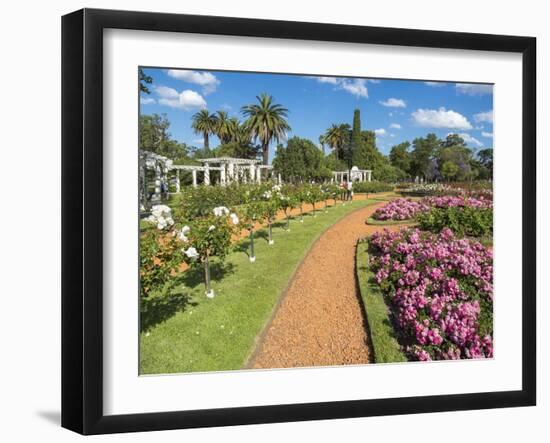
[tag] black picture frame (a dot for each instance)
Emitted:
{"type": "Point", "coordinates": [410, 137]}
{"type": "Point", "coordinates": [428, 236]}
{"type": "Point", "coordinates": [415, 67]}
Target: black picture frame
{"type": "Point", "coordinates": [82, 219]}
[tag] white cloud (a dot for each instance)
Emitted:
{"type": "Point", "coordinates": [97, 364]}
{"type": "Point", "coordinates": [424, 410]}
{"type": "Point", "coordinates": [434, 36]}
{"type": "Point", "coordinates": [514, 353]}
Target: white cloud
{"type": "Point", "coordinates": [197, 141]}
{"type": "Point", "coordinates": [487, 134]}
{"type": "Point", "coordinates": [469, 139]}
{"type": "Point", "coordinates": [486, 117]}
{"type": "Point", "coordinates": [435, 84]}
{"type": "Point", "coordinates": [373, 81]}
{"type": "Point", "coordinates": [394, 103]}
{"type": "Point", "coordinates": [147, 100]}
{"type": "Point", "coordinates": [208, 81]}
{"type": "Point", "coordinates": [355, 86]}
{"type": "Point", "coordinates": [186, 100]}
{"type": "Point", "coordinates": [473, 89]}
{"type": "Point", "coordinates": [331, 80]}
{"type": "Point", "coordinates": [392, 135]}
{"type": "Point", "coordinates": [380, 132]}
{"type": "Point", "coordinates": [166, 92]}
{"type": "Point", "coordinates": [440, 118]}
{"type": "Point", "coordinates": [395, 126]}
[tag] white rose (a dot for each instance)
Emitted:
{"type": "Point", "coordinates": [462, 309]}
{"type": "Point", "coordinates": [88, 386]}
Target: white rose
{"type": "Point", "coordinates": [234, 218]}
{"type": "Point", "coordinates": [211, 228]}
{"type": "Point", "coordinates": [191, 253]}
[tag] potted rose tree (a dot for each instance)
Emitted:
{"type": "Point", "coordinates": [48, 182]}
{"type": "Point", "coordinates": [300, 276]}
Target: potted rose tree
{"type": "Point", "coordinates": [208, 237]}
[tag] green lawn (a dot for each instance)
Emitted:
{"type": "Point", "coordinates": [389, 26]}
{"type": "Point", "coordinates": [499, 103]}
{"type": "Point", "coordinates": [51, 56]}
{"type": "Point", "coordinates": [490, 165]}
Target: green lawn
{"type": "Point", "coordinates": [190, 333]}
{"type": "Point", "coordinates": [385, 347]}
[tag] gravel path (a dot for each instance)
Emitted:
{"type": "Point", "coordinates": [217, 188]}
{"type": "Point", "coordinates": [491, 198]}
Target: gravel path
{"type": "Point", "coordinates": [320, 321]}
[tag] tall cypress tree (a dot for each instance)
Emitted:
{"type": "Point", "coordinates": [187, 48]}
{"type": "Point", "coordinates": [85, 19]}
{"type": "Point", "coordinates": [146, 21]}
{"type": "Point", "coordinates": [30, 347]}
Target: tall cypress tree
{"type": "Point", "coordinates": [356, 137]}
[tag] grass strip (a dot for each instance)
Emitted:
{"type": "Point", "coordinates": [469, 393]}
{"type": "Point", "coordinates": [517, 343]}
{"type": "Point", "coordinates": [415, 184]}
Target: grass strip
{"type": "Point", "coordinates": [385, 347]}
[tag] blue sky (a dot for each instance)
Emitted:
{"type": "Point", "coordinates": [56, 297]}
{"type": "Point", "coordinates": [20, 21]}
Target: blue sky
{"type": "Point", "coordinates": [398, 110]}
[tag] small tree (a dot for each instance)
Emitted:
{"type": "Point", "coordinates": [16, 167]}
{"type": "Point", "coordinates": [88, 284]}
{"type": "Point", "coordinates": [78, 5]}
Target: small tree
{"type": "Point", "coordinates": [287, 202]}
{"type": "Point", "coordinates": [312, 196]}
{"type": "Point", "coordinates": [208, 237]}
{"type": "Point", "coordinates": [270, 207]}
{"type": "Point", "coordinates": [250, 214]}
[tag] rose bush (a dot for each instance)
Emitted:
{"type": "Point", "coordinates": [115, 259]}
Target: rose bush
{"type": "Point", "coordinates": [439, 290]}
{"type": "Point", "coordinates": [404, 208]}
{"type": "Point", "coordinates": [208, 237]}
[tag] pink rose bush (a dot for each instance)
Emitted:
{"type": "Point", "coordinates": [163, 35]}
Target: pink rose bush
{"type": "Point", "coordinates": [449, 201]}
{"type": "Point", "coordinates": [400, 209]}
{"type": "Point", "coordinates": [440, 292]}
{"type": "Point", "coordinates": [405, 208]}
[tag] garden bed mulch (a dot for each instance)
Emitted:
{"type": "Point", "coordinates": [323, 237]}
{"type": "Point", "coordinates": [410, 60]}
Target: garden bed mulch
{"type": "Point", "coordinates": [320, 320]}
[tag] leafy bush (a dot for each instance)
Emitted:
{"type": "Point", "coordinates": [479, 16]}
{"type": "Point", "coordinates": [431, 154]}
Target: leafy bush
{"type": "Point", "coordinates": [461, 220]}
{"type": "Point", "coordinates": [159, 257]}
{"type": "Point", "coordinates": [372, 187]}
{"type": "Point", "coordinates": [439, 290]}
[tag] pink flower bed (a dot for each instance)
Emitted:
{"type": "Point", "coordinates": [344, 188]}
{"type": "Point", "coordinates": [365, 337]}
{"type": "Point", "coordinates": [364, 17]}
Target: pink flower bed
{"type": "Point", "coordinates": [400, 209]}
{"type": "Point", "coordinates": [405, 209]}
{"type": "Point", "coordinates": [440, 292]}
{"type": "Point", "coordinates": [449, 201]}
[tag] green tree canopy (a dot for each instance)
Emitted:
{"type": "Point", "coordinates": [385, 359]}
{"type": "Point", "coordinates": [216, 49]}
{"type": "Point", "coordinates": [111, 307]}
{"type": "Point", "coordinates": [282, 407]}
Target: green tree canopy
{"type": "Point", "coordinates": [400, 157]}
{"type": "Point", "coordinates": [155, 137]}
{"type": "Point", "coordinates": [299, 161]}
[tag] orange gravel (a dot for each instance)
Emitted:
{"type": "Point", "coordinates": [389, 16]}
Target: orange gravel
{"type": "Point", "coordinates": [320, 319]}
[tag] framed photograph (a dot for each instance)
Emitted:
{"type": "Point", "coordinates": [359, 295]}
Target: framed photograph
{"type": "Point", "coordinates": [269, 221]}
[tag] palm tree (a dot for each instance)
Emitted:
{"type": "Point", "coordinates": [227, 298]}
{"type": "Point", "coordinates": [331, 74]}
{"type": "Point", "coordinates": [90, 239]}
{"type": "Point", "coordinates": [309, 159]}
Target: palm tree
{"type": "Point", "coordinates": [234, 129]}
{"type": "Point", "coordinates": [266, 122]}
{"type": "Point", "coordinates": [322, 141]}
{"type": "Point", "coordinates": [336, 136]}
{"type": "Point", "coordinates": [204, 124]}
{"type": "Point", "coordinates": [223, 127]}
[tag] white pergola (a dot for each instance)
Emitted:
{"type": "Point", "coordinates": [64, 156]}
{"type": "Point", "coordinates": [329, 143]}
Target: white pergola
{"type": "Point", "coordinates": [354, 175]}
{"type": "Point", "coordinates": [240, 170]}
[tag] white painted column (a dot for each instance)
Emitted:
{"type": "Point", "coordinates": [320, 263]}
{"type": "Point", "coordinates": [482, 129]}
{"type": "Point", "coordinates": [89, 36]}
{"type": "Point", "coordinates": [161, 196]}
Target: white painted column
{"type": "Point", "coordinates": [222, 175]}
{"type": "Point", "coordinates": [252, 170]}
{"type": "Point", "coordinates": [158, 174]}
{"type": "Point", "coordinates": [279, 180]}
{"type": "Point", "coordinates": [370, 175]}
{"type": "Point", "coordinates": [231, 172]}
{"type": "Point", "coordinates": [194, 172]}
{"type": "Point", "coordinates": [258, 174]}
{"type": "Point", "coordinates": [178, 184]}
{"type": "Point", "coordinates": [206, 174]}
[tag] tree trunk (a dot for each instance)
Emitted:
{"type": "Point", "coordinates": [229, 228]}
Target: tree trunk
{"type": "Point", "coordinates": [265, 152]}
{"type": "Point", "coordinates": [206, 144]}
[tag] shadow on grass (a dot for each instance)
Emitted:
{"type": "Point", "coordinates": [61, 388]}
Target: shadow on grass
{"type": "Point", "coordinates": [158, 309]}
{"type": "Point", "coordinates": [194, 276]}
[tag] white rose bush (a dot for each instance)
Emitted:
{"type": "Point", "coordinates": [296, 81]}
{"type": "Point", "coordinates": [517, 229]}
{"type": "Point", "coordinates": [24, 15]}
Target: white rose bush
{"type": "Point", "coordinates": [208, 237]}
{"type": "Point", "coordinates": [203, 227]}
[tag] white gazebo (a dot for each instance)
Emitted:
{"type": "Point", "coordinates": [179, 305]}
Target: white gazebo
{"type": "Point", "coordinates": [354, 174]}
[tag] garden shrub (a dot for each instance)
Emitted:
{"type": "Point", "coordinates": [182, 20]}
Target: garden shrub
{"type": "Point", "coordinates": [463, 221]}
{"type": "Point", "coordinates": [439, 290]}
